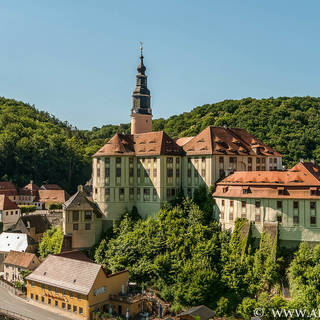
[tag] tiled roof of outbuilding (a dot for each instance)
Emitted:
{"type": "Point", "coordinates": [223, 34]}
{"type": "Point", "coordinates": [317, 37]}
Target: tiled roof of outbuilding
{"type": "Point", "coordinates": [21, 259]}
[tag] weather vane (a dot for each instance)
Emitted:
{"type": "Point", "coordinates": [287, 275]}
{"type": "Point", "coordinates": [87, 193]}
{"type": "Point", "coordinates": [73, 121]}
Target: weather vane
{"type": "Point", "coordinates": [141, 47]}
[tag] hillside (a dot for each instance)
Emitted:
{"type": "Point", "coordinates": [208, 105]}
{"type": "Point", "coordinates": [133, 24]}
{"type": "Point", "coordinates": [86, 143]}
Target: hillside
{"type": "Point", "coordinates": [36, 145]}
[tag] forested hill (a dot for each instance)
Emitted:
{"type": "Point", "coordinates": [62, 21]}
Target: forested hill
{"type": "Point", "coordinates": [36, 145]}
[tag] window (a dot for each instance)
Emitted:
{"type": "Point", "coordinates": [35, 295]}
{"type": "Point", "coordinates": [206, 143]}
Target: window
{"type": "Point", "coordinates": [138, 172]}
{"type": "Point", "coordinates": [275, 160]}
{"type": "Point", "coordinates": [155, 192]}
{"type": "Point", "coordinates": [69, 307]}
{"type": "Point", "coordinates": [63, 305]}
{"type": "Point", "coordinates": [79, 296]}
{"type": "Point", "coordinates": [177, 160]}
{"type": "Point", "coordinates": [196, 174]}
{"type": "Point", "coordinates": [243, 204]}
{"type": "Point", "coordinates": [146, 191]}
{"type": "Point", "coordinates": [221, 159]}
{"type": "Point", "coordinates": [245, 190]}
{"type": "Point", "coordinates": [121, 191]}
{"type": "Point", "coordinates": [42, 299]}
{"type": "Point", "coordinates": [107, 191]}
{"type": "Point", "coordinates": [168, 193]}
{"type": "Point", "coordinates": [98, 172]}
{"type": "Point", "coordinates": [230, 215]}
{"type": "Point", "coordinates": [131, 160]}
{"type": "Point", "coordinates": [249, 160]}
{"type": "Point", "coordinates": [95, 190]}
{"type": "Point", "coordinates": [169, 160]}
{"type": "Point", "coordinates": [56, 303]}
{"type": "Point", "coordinates": [313, 220]}
{"type": "Point", "coordinates": [173, 192]}
{"type": "Point", "coordinates": [118, 160]}
{"type": "Point", "coordinates": [295, 204]}
{"type": "Point", "coordinates": [42, 286]}
{"type": "Point", "coordinates": [258, 168]}
{"type": "Point", "coordinates": [75, 215]}
{"type": "Point", "coordinates": [155, 173]}
{"type": "Point", "coordinates": [87, 226]}
{"type": "Point", "coordinates": [263, 160]}
{"type": "Point", "coordinates": [222, 202]}
{"type": "Point", "coordinates": [107, 160]}
{"type": "Point", "coordinates": [279, 219]}
{"type": "Point", "coordinates": [257, 218]}
{"type": "Point", "coordinates": [118, 172]}
{"type": "Point", "coordinates": [75, 226]}
{"type": "Point", "coordinates": [49, 301]}
{"type": "Point", "coordinates": [222, 215]}
{"type": "Point", "coordinates": [57, 290]}
{"type": "Point", "coordinates": [80, 310]}
{"type": "Point", "coordinates": [107, 172]}
{"type": "Point", "coordinates": [257, 204]}
{"type": "Point", "coordinates": [258, 160]}
{"type": "Point", "coordinates": [203, 172]}
{"type": "Point", "coordinates": [63, 292]}
{"type": "Point", "coordinates": [231, 203]}
{"type": "Point", "coordinates": [131, 191]}
{"type": "Point", "coordinates": [71, 294]}
{"type": "Point", "coordinates": [31, 295]}
{"type": "Point", "coordinates": [130, 172]}
{"type": "Point", "coordinates": [88, 215]}
{"type": "Point", "coordinates": [189, 173]}
{"type": "Point", "coordinates": [225, 189]}
{"type": "Point", "coordinates": [233, 160]}
{"type": "Point", "coordinates": [169, 172]}
{"type": "Point", "coordinates": [75, 308]}
{"type": "Point", "coordinates": [312, 205]}
{"type": "Point", "coordinates": [279, 204]}
{"type": "Point", "coordinates": [177, 173]}
{"type": "Point", "coordinates": [249, 168]}
{"type": "Point", "coordinates": [32, 284]}
{"type": "Point", "coordinates": [295, 219]}
{"type": "Point", "coordinates": [203, 159]}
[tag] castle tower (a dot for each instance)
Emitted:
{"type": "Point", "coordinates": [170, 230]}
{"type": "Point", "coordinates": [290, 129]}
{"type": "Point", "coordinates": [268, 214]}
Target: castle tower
{"type": "Point", "coordinates": [141, 113]}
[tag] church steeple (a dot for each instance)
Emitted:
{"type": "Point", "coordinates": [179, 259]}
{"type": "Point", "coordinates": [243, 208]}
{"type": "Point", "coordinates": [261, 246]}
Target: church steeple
{"type": "Point", "coordinates": [141, 113]}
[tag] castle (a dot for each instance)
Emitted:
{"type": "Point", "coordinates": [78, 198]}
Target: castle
{"type": "Point", "coordinates": [146, 168]}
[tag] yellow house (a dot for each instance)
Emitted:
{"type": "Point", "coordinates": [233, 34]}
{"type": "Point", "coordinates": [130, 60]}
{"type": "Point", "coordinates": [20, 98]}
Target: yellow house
{"type": "Point", "coordinates": [77, 286]}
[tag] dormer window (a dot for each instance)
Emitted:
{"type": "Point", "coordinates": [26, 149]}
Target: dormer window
{"type": "Point", "coordinates": [281, 191]}
{"type": "Point", "coordinates": [225, 189]}
{"type": "Point", "coordinates": [314, 191]}
{"type": "Point", "coordinates": [245, 190]}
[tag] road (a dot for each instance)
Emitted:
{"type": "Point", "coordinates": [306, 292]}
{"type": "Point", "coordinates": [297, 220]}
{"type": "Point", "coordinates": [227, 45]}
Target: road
{"type": "Point", "coordinates": [20, 306]}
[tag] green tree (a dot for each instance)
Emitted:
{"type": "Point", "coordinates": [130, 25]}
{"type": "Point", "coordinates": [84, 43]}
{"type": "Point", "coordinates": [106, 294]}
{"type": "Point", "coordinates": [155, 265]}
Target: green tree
{"type": "Point", "coordinates": [51, 242]}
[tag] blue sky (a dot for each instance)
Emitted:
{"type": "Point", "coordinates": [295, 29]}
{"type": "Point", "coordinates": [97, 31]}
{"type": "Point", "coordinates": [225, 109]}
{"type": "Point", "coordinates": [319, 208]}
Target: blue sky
{"type": "Point", "coordinates": [77, 59]}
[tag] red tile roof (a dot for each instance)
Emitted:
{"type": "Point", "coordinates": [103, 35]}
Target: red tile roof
{"type": "Point", "coordinates": [8, 188]}
{"type": "Point", "coordinates": [56, 196]}
{"type": "Point", "coordinates": [21, 259]}
{"type": "Point", "coordinates": [298, 182]}
{"type": "Point", "coordinates": [212, 140]}
{"type": "Point", "coordinates": [51, 187]}
{"type": "Point", "coordinates": [30, 189]}
{"type": "Point", "coordinates": [6, 203]}
{"type": "Point", "coordinates": [231, 141]}
{"type": "Point", "coordinates": [143, 144]}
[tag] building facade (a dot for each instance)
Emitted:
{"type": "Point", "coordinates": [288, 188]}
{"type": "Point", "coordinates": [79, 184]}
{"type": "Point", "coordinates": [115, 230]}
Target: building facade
{"type": "Point", "coordinates": [76, 286]}
{"type": "Point", "coordinates": [82, 219]}
{"type": "Point", "coordinates": [290, 199]}
{"type": "Point", "coordinates": [9, 212]}
{"type": "Point", "coordinates": [146, 169]}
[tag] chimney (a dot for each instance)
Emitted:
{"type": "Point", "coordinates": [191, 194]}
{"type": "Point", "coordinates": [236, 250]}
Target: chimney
{"type": "Point", "coordinates": [80, 188]}
{"type": "Point", "coordinates": [313, 161]}
{"type": "Point", "coordinates": [302, 160]}
{"type": "Point", "coordinates": [28, 224]}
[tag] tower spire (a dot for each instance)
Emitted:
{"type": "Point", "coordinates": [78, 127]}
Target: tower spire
{"type": "Point", "coordinates": [141, 99]}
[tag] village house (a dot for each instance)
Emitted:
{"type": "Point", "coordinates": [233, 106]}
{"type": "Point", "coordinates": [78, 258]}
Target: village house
{"type": "Point", "coordinates": [9, 212]}
{"type": "Point", "coordinates": [15, 241]}
{"type": "Point", "coordinates": [82, 219]}
{"type": "Point", "coordinates": [48, 197]}
{"type": "Point", "coordinates": [33, 225]}
{"type": "Point", "coordinates": [79, 286]}
{"type": "Point", "coordinates": [288, 199]}
{"type": "Point", "coordinates": [16, 262]}
{"type": "Point", "coordinates": [146, 169]}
